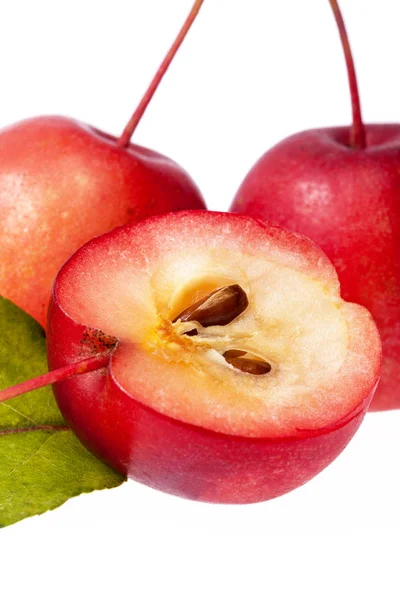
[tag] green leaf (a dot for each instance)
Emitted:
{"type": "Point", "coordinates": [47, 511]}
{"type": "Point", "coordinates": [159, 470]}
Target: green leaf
{"type": "Point", "coordinates": [42, 463]}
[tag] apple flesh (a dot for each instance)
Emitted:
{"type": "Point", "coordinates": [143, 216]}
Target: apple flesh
{"type": "Point", "coordinates": [236, 371]}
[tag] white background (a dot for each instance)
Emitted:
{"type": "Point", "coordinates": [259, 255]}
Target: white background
{"type": "Point", "coordinates": [250, 73]}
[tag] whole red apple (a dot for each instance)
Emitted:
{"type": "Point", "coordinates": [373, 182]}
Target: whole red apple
{"type": "Point", "coordinates": [341, 187]}
{"type": "Point", "coordinates": [63, 182]}
{"type": "Point", "coordinates": [231, 369]}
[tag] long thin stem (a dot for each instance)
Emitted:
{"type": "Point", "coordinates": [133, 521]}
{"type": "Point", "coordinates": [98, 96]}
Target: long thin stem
{"type": "Point", "coordinates": [357, 137]}
{"type": "Point", "coordinates": [125, 138]}
{"type": "Point", "coordinates": [84, 366]}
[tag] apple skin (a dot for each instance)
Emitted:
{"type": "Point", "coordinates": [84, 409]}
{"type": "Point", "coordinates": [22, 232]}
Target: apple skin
{"type": "Point", "coordinates": [167, 453]}
{"type": "Point", "coordinates": [347, 201]}
{"type": "Point", "coordinates": [63, 183]}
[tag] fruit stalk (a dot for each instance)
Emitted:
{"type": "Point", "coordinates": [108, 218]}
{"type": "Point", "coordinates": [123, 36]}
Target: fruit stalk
{"type": "Point", "coordinates": [87, 365]}
{"type": "Point", "coordinates": [357, 133]}
{"type": "Point", "coordinates": [125, 138]}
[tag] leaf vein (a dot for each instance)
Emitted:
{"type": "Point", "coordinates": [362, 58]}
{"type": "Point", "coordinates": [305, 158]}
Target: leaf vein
{"type": "Point", "coordinates": [19, 413]}
{"type": "Point", "coordinates": [20, 465]}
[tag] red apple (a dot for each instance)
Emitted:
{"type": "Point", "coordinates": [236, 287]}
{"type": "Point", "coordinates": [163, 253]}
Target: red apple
{"type": "Point", "coordinates": [230, 368]}
{"type": "Point", "coordinates": [341, 187]}
{"type": "Point", "coordinates": [63, 182]}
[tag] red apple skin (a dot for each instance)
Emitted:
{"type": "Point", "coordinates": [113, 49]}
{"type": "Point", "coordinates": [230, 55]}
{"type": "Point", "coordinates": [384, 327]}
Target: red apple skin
{"type": "Point", "coordinates": [173, 456]}
{"type": "Point", "coordinates": [347, 201]}
{"type": "Point", "coordinates": [63, 183]}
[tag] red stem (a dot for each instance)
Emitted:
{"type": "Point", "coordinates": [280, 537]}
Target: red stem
{"type": "Point", "coordinates": [357, 134]}
{"type": "Point", "coordinates": [84, 366]}
{"type": "Point", "coordinates": [125, 138]}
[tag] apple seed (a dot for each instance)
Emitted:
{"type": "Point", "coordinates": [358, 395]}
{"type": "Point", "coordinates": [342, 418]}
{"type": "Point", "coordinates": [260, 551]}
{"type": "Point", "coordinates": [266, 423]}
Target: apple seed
{"type": "Point", "coordinates": [220, 307]}
{"type": "Point", "coordinates": [253, 365]}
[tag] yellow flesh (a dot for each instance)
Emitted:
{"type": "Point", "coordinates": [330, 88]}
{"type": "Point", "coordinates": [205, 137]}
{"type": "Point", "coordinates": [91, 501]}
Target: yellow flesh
{"type": "Point", "coordinates": [292, 322]}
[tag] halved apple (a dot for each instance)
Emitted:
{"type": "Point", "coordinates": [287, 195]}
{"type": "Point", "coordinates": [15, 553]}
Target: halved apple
{"type": "Point", "coordinates": [236, 373]}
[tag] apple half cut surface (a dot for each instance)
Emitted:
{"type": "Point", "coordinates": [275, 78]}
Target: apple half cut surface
{"type": "Point", "coordinates": [236, 371]}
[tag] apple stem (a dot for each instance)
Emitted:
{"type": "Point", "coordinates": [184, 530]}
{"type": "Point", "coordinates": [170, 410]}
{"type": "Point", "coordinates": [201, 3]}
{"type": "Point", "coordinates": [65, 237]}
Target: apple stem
{"type": "Point", "coordinates": [84, 366]}
{"type": "Point", "coordinates": [357, 134]}
{"type": "Point", "coordinates": [125, 138]}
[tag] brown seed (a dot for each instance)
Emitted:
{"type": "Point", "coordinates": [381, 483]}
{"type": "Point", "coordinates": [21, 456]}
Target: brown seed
{"type": "Point", "coordinates": [234, 353]}
{"type": "Point", "coordinates": [191, 332]}
{"type": "Point", "coordinates": [218, 308]}
{"type": "Point", "coordinates": [253, 366]}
